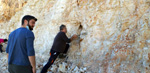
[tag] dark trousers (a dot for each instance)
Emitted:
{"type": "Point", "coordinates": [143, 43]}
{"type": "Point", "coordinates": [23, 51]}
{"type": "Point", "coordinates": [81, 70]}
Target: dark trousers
{"type": "Point", "coordinates": [67, 48]}
{"type": "Point", "coordinates": [1, 48]}
{"type": "Point", "coordinates": [53, 56]}
{"type": "Point", "coordinates": [19, 69]}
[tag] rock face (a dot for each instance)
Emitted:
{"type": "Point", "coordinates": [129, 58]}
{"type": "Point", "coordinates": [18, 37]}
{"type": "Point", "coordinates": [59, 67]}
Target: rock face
{"type": "Point", "coordinates": [114, 34]}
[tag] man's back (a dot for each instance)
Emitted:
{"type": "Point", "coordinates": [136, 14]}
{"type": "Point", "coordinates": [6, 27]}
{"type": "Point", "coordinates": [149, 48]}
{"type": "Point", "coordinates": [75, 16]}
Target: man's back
{"type": "Point", "coordinates": [20, 46]}
{"type": "Point", "coordinates": [60, 42]}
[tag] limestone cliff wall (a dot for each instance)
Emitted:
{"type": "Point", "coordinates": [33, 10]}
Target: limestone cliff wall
{"type": "Point", "coordinates": [114, 34]}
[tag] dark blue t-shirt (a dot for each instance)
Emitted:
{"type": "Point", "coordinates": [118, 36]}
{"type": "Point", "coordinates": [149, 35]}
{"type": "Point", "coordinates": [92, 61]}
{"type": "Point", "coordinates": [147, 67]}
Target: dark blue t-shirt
{"type": "Point", "coordinates": [20, 46]}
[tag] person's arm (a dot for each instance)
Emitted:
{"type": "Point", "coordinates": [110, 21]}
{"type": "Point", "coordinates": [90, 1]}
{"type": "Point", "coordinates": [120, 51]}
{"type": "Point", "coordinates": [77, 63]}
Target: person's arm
{"type": "Point", "coordinates": [33, 63]}
{"type": "Point", "coordinates": [30, 51]}
{"type": "Point", "coordinates": [7, 55]}
{"type": "Point", "coordinates": [65, 38]}
{"type": "Point", "coordinates": [73, 37]}
{"type": "Point", "coordinates": [7, 48]}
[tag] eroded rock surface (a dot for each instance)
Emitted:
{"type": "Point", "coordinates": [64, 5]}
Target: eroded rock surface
{"type": "Point", "coordinates": [114, 34]}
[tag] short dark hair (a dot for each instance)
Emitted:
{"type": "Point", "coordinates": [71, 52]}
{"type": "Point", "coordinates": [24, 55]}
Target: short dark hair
{"type": "Point", "coordinates": [62, 27]}
{"type": "Point", "coordinates": [28, 18]}
{"type": "Point", "coordinates": [5, 40]}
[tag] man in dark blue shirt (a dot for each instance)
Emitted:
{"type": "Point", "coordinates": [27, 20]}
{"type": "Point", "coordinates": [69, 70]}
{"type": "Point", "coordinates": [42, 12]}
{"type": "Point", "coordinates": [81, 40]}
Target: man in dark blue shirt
{"type": "Point", "coordinates": [20, 48]}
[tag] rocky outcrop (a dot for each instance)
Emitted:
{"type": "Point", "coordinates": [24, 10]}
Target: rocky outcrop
{"type": "Point", "coordinates": [114, 34]}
